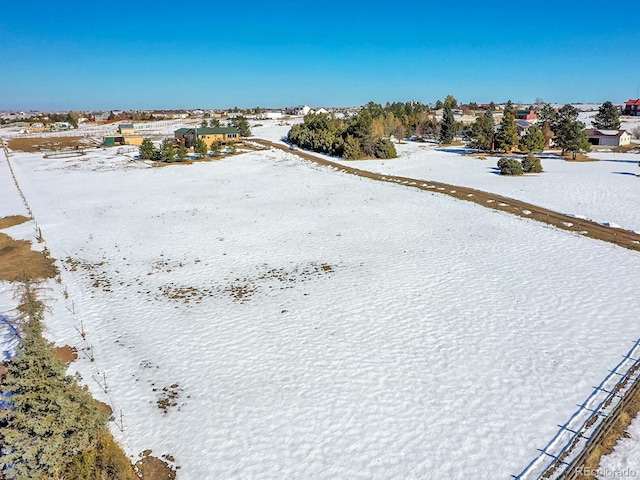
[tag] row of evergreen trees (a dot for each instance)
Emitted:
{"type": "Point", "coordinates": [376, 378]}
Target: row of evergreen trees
{"type": "Point", "coordinates": [169, 152]}
{"type": "Point", "coordinates": [52, 428]}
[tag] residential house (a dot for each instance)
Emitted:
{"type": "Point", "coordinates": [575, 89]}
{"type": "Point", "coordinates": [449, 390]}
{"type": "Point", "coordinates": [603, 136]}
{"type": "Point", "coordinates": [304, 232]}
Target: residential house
{"type": "Point", "coordinates": [610, 138]}
{"type": "Point", "coordinates": [522, 126]}
{"type": "Point", "coordinates": [632, 107]}
{"type": "Point", "coordinates": [526, 115]}
{"type": "Point", "coordinates": [216, 134]}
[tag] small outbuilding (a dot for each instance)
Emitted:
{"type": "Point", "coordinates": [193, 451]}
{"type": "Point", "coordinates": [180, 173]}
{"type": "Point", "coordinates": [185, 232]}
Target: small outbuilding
{"type": "Point", "coordinates": [126, 129]}
{"type": "Point", "coordinates": [609, 138]}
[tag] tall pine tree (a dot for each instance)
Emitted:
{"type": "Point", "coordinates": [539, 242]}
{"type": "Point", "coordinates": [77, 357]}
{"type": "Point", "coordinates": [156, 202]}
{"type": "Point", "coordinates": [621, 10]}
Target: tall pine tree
{"type": "Point", "coordinates": [507, 134]}
{"type": "Point", "coordinates": [607, 117]}
{"type": "Point", "coordinates": [482, 132]}
{"type": "Point", "coordinates": [447, 126]}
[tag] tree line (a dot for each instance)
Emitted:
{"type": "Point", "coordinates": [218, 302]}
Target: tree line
{"type": "Point", "coordinates": [562, 126]}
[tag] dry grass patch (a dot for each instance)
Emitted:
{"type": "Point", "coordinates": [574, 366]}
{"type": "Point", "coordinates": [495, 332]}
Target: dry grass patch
{"type": "Point", "coordinates": [66, 354]}
{"type": "Point", "coordinates": [579, 158]}
{"type": "Point", "coordinates": [39, 144]}
{"type": "Point", "coordinates": [7, 222]}
{"type": "Point", "coordinates": [19, 262]}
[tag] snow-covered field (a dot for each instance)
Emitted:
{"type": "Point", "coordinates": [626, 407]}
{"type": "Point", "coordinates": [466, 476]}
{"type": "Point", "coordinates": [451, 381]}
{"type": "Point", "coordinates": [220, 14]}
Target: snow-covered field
{"type": "Point", "coordinates": [311, 324]}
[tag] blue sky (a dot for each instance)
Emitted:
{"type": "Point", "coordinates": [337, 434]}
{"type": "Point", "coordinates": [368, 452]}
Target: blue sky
{"type": "Point", "coordinates": [148, 55]}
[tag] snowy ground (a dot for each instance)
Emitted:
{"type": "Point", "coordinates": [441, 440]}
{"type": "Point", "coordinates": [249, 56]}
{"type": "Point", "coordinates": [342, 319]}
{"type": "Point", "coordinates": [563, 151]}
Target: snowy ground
{"type": "Point", "coordinates": [311, 324]}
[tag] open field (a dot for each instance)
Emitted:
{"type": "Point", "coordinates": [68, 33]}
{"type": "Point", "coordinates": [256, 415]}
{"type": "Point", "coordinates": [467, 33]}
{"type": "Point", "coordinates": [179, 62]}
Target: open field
{"type": "Point", "coordinates": [295, 321]}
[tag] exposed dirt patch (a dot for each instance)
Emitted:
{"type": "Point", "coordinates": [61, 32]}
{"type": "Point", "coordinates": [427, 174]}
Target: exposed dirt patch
{"type": "Point", "coordinates": [152, 468]}
{"type": "Point", "coordinates": [96, 274]}
{"type": "Point", "coordinates": [18, 262]}
{"type": "Point", "coordinates": [241, 289]}
{"type": "Point", "coordinates": [169, 397]}
{"type": "Point", "coordinates": [6, 222]}
{"type": "Point", "coordinates": [47, 143]}
{"type": "Point", "coordinates": [66, 354]}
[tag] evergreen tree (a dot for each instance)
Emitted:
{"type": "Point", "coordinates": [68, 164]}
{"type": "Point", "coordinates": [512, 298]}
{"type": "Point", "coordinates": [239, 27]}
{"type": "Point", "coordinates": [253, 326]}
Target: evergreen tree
{"type": "Point", "coordinates": [214, 123]}
{"type": "Point", "coordinates": [532, 141]}
{"type": "Point", "coordinates": [510, 166]}
{"type": "Point", "coordinates": [215, 148]}
{"type": "Point", "coordinates": [546, 114]}
{"type": "Point", "coordinates": [242, 124]}
{"type": "Point", "coordinates": [384, 148]}
{"type": "Point", "coordinates": [200, 148]}
{"type": "Point", "coordinates": [167, 150]}
{"type": "Point", "coordinates": [531, 164]}
{"type": "Point", "coordinates": [607, 117]}
{"type": "Point", "coordinates": [204, 123]}
{"type": "Point", "coordinates": [482, 131]}
{"type": "Point", "coordinates": [564, 126]}
{"type": "Point", "coordinates": [182, 152]}
{"type": "Point", "coordinates": [351, 148]}
{"type": "Point", "coordinates": [509, 108]}
{"type": "Point", "coordinates": [439, 105]}
{"type": "Point", "coordinates": [231, 148]}
{"type": "Point", "coordinates": [575, 139]}
{"type": "Point", "coordinates": [473, 106]}
{"type": "Point", "coordinates": [451, 101]}
{"type": "Point", "coordinates": [507, 134]}
{"type": "Point", "coordinates": [51, 418]}
{"type": "Point", "coordinates": [146, 149]}
{"type": "Point", "coordinates": [447, 126]}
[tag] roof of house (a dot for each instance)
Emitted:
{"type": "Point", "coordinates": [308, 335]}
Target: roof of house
{"type": "Point", "coordinates": [523, 123]}
{"type": "Point", "coordinates": [524, 112]}
{"type": "Point", "coordinates": [633, 102]}
{"type": "Point", "coordinates": [605, 133]}
{"type": "Point", "coordinates": [216, 130]}
{"type": "Point", "coordinates": [126, 125]}
{"type": "Point", "coordinates": [183, 130]}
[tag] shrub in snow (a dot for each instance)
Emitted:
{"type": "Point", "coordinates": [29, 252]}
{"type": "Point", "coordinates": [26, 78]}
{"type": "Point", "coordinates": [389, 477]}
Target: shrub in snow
{"type": "Point", "coordinates": [385, 149]}
{"type": "Point", "coordinates": [509, 166]}
{"type": "Point", "coordinates": [531, 164]}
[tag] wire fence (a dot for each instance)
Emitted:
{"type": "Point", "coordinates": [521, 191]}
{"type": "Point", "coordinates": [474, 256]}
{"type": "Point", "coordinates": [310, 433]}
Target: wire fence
{"type": "Point", "coordinates": [563, 456]}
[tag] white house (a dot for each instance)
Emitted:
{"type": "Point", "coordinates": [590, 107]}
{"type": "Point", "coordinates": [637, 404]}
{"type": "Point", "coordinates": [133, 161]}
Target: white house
{"type": "Point", "coordinates": [609, 138]}
{"type": "Point", "coordinates": [304, 110]}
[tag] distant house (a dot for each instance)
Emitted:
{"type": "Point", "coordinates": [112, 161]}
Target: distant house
{"type": "Point", "coordinates": [522, 126]}
{"type": "Point", "coordinates": [609, 138]}
{"type": "Point", "coordinates": [322, 111]}
{"type": "Point", "coordinates": [526, 115]}
{"type": "Point", "coordinates": [126, 129]}
{"type": "Point", "coordinates": [632, 107]}
{"type": "Point", "coordinates": [273, 115]}
{"type": "Point", "coordinates": [218, 134]}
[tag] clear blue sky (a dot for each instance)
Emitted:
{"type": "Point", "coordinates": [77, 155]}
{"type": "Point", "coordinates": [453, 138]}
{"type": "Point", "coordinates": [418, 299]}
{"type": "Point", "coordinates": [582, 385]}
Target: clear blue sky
{"type": "Point", "coordinates": [146, 55]}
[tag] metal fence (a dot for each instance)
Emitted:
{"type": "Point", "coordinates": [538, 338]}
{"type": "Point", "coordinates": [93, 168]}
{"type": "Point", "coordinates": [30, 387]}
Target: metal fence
{"type": "Point", "coordinates": [563, 456]}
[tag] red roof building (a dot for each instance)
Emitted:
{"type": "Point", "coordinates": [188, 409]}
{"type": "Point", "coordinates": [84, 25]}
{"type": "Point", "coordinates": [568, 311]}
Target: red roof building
{"type": "Point", "coordinates": [632, 107]}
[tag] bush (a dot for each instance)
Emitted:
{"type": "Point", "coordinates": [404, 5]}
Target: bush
{"type": "Point", "coordinates": [531, 164]}
{"type": "Point", "coordinates": [385, 149]}
{"type": "Point", "coordinates": [509, 166]}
